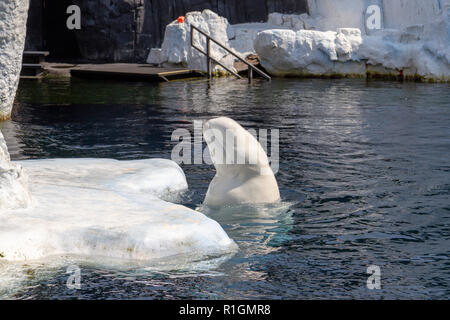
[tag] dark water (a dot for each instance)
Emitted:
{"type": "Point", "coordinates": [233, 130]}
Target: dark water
{"type": "Point", "coordinates": [364, 176]}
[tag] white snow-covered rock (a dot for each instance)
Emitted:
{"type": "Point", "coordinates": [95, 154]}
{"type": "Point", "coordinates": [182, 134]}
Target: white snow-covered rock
{"type": "Point", "coordinates": [176, 48]}
{"type": "Point", "coordinates": [243, 35]}
{"type": "Point", "coordinates": [154, 56]}
{"type": "Point", "coordinates": [13, 17]}
{"type": "Point", "coordinates": [291, 21]}
{"type": "Point", "coordinates": [415, 51]}
{"type": "Point", "coordinates": [330, 15]}
{"type": "Point", "coordinates": [14, 192]}
{"type": "Point", "coordinates": [108, 208]}
{"type": "Point", "coordinates": [309, 52]}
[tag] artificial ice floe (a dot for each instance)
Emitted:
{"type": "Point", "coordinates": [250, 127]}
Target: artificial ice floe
{"type": "Point", "coordinates": [91, 207]}
{"type": "Point", "coordinates": [109, 208]}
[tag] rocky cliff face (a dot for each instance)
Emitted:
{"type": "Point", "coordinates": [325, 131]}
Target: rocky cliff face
{"type": "Point", "coordinates": [125, 30]}
{"type": "Point", "coordinates": [14, 191]}
{"type": "Point", "coordinates": [13, 17]}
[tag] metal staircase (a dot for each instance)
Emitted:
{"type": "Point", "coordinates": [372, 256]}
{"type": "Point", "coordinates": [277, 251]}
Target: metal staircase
{"type": "Point", "coordinates": [210, 60]}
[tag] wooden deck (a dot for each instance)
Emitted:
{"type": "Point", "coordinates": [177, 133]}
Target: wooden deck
{"type": "Point", "coordinates": [132, 72]}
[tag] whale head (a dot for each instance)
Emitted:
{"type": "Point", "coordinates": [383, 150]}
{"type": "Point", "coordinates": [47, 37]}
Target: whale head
{"type": "Point", "coordinates": [243, 172]}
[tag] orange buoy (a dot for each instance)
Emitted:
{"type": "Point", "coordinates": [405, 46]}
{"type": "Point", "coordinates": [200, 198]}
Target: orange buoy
{"type": "Point", "coordinates": [180, 19]}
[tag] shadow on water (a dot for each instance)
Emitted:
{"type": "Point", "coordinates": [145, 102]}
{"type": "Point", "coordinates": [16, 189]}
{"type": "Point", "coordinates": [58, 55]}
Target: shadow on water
{"type": "Point", "coordinates": [363, 175]}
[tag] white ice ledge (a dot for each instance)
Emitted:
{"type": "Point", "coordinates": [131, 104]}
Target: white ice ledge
{"type": "Point", "coordinates": [417, 52]}
{"type": "Point", "coordinates": [108, 208]}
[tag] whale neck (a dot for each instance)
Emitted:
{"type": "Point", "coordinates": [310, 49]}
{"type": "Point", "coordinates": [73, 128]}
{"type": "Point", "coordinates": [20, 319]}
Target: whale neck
{"type": "Point", "coordinates": [249, 180]}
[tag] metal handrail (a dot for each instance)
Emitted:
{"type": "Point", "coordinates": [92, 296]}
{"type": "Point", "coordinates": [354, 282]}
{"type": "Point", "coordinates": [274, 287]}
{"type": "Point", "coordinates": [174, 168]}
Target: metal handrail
{"type": "Point", "coordinates": [251, 67]}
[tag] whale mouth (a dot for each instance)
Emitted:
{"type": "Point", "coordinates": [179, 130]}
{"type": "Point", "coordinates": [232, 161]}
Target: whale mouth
{"type": "Point", "coordinates": [231, 145]}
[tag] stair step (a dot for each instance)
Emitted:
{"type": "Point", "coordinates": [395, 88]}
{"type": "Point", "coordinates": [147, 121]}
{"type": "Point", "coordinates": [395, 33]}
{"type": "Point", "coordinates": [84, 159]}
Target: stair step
{"type": "Point", "coordinates": [31, 70]}
{"type": "Point", "coordinates": [34, 57]}
{"type": "Point", "coordinates": [31, 65]}
{"type": "Point", "coordinates": [36, 53]}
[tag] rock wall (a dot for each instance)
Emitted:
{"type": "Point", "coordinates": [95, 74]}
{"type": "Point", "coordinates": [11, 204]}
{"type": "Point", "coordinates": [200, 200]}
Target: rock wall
{"type": "Point", "coordinates": [414, 43]}
{"type": "Point", "coordinates": [396, 14]}
{"type": "Point", "coordinates": [125, 30]}
{"type": "Point", "coordinates": [13, 16]}
{"type": "Point", "coordinates": [310, 52]}
{"type": "Point", "coordinates": [34, 39]}
{"type": "Point", "coordinates": [14, 192]}
{"type": "Point", "coordinates": [412, 12]}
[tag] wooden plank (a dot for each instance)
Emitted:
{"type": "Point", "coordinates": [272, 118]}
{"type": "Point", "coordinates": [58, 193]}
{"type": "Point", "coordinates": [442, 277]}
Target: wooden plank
{"type": "Point", "coordinates": [38, 77]}
{"type": "Point", "coordinates": [36, 53]}
{"type": "Point", "coordinates": [32, 65]}
{"type": "Point", "coordinates": [31, 70]}
{"type": "Point", "coordinates": [132, 72]}
{"type": "Point", "coordinates": [30, 57]}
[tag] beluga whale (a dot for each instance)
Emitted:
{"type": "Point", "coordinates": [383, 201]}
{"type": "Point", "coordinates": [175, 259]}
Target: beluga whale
{"type": "Point", "coordinates": [243, 174]}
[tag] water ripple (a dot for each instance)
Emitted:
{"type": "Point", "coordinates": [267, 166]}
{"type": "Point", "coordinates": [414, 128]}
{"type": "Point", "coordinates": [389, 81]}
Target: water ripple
{"type": "Point", "coordinates": [363, 175]}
